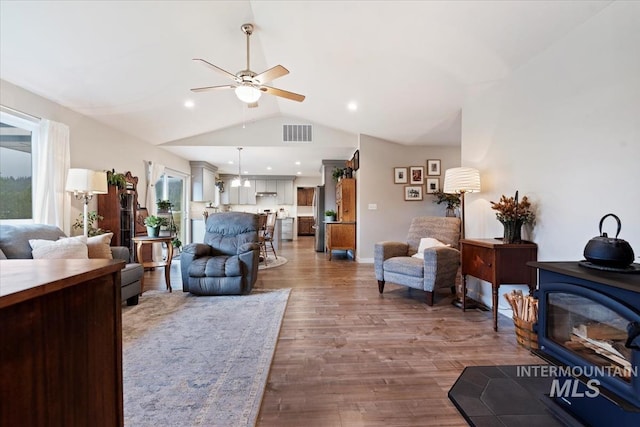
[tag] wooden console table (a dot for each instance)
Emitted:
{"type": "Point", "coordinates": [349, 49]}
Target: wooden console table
{"type": "Point", "coordinates": [61, 343]}
{"type": "Point", "coordinates": [146, 240]}
{"type": "Point", "coordinates": [497, 263]}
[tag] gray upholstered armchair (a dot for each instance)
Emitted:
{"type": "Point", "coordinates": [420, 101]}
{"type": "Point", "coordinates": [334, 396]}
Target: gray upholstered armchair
{"type": "Point", "coordinates": [227, 262]}
{"type": "Point", "coordinates": [395, 261]}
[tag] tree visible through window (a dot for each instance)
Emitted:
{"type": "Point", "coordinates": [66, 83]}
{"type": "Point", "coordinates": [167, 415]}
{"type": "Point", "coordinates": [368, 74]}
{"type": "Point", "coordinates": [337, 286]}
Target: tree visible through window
{"type": "Point", "coordinates": [16, 136]}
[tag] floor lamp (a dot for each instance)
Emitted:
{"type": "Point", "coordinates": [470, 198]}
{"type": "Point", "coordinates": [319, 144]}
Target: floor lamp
{"type": "Point", "coordinates": [460, 181]}
{"type": "Point", "coordinates": [84, 183]}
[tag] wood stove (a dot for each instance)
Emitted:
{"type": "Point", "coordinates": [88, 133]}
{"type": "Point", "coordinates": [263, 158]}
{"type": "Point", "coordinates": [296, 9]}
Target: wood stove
{"type": "Point", "coordinates": [589, 330]}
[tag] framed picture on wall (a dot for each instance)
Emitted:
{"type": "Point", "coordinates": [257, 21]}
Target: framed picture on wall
{"type": "Point", "coordinates": [433, 185]}
{"type": "Point", "coordinates": [433, 167]}
{"type": "Point", "coordinates": [412, 192]}
{"type": "Point", "coordinates": [416, 175]}
{"type": "Point", "coordinates": [400, 176]}
{"type": "Point", "coordinates": [356, 160]}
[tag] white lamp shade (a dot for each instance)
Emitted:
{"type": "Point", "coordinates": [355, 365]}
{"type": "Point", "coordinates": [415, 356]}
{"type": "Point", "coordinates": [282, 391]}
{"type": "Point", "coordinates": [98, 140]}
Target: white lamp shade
{"type": "Point", "coordinates": [248, 94]}
{"type": "Point", "coordinates": [461, 180]}
{"type": "Point", "coordinates": [247, 183]}
{"type": "Point", "coordinates": [86, 181]}
{"type": "Point", "coordinates": [235, 182]}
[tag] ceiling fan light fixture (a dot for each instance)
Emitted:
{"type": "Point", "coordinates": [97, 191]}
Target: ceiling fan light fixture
{"type": "Point", "coordinates": [248, 94]}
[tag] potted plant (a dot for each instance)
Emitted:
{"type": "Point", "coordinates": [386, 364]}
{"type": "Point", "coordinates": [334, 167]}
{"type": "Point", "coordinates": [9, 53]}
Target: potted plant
{"type": "Point", "coordinates": [329, 215]}
{"type": "Point", "coordinates": [92, 217]}
{"type": "Point", "coordinates": [451, 199]}
{"type": "Point", "coordinates": [177, 243]}
{"type": "Point", "coordinates": [163, 206]}
{"type": "Point", "coordinates": [153, 224]}
{"type": "Point", "coordinates": [116, 179]}
{"type": "Point", "coordinates": [337, 174]}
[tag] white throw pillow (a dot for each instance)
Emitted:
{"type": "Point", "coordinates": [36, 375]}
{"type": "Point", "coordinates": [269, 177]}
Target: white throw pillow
{"type": "Point", "coordinates": [65, 248]}
{"type": "Point", "coordinates": [425, 243]}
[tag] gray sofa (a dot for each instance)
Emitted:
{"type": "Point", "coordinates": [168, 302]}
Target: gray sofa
{"type": "Point", "coordinates": [14, 244]}
{"type": "Point", "coordinates": [227, 262]}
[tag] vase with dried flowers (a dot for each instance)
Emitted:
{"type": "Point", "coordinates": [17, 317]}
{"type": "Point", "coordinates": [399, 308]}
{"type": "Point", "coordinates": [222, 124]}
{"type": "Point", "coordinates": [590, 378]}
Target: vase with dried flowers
{"type": "Point", "coordinates": [513, 214]}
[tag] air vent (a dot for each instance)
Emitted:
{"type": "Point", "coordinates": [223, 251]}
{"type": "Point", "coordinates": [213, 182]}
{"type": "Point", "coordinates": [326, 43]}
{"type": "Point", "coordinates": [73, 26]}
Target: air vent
{"type": "Point", "coordinates": [296, 133]}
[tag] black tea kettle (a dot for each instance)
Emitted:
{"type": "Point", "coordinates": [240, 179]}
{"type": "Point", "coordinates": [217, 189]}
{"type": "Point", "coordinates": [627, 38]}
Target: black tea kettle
{"type": "Point", "coordinates": [609, 251]}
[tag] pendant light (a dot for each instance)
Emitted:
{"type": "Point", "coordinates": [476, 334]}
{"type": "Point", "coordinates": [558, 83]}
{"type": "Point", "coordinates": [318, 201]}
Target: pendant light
{"type": "Point", "coordinates": [237, 182]}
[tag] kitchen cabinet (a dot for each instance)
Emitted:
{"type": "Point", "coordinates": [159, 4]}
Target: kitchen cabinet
{"type": "Point", "coordinates": [247, 195]}
{"type": "Point", "coordinates": [305, 226]}
{"type": "Point", "coordinates": [208, 185]}
{"type": "Point", "coordinates": [266, 185]}
{"type": "Point", "coordinates": [238, 195]}
{"type": "Point", "coordinates": [305, 196]}
{"type": "Point", "coordinates": [284, 188]}
{"type": "Point", "coordinates": [224, 196]}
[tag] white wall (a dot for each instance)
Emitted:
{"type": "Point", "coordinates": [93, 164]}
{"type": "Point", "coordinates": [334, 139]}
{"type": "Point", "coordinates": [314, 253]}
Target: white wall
{"type": "Point", "coordinates": [92, 144]}
{"type": "Point", "coordinates": [391, 219]}
{"type": "Point", "coordinates": [564, 130]}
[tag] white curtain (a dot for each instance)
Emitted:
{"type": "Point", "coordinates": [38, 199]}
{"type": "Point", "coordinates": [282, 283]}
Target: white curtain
{"type": "Point", "coordinates": [52, 205]}
{"type": "Point", "coordinates": [154, 173]}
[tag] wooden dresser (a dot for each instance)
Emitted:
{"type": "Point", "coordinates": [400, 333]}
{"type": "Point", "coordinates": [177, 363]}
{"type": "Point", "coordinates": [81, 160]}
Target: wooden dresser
{"type": "Point", "coordinates": [60, 343]}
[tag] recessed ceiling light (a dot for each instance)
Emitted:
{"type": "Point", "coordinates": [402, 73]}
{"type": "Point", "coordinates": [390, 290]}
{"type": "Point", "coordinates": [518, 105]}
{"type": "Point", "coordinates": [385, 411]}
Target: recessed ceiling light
{"type": "Point", "coordinates": [298, 163]}
{"type": "Point", "coordinates": [299, 173]}
{"type": "Point", "coordinates": [352, 106]}
{"type": "Point", "coordinates": [269, 168]}
{"type": "Point", "coordinates": [230, 162]}
{"type": "Point", "coordinates": [189, 103]}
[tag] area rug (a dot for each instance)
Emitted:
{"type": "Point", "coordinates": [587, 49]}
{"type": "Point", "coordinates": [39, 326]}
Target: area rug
{"type": "Point", "coordinates": [272, 262]}
{"type": "Point", "coordinates": [198, 361]}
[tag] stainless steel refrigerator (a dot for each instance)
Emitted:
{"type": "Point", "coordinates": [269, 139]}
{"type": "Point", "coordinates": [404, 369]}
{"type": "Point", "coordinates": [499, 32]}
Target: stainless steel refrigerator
{"type": "Point", "coordinates": [318, 217]}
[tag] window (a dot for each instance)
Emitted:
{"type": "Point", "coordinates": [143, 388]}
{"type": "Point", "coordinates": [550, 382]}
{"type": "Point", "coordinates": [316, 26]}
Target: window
{"type": "Point", "coordinates": [18, 134]}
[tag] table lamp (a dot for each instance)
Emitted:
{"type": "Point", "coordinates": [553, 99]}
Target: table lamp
{"type": "Point", "coordinates": [84, 183]}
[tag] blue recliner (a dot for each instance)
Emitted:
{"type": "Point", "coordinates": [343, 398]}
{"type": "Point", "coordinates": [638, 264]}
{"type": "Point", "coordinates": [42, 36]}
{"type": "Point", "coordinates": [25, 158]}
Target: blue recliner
{"type": "Point", "coordinates": [227, 262]}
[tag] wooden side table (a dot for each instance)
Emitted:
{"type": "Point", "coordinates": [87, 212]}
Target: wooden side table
{"type": "Point", "coordinates": [497, 263]}
{"type": "Point", "coordinates": [145, 240]}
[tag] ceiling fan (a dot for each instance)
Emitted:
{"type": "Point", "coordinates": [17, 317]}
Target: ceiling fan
{"type": "Point", "coordinates": [249, 85]}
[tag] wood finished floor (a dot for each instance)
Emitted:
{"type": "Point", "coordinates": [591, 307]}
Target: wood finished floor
{"type": "Point", "coordinates": [348, 357]}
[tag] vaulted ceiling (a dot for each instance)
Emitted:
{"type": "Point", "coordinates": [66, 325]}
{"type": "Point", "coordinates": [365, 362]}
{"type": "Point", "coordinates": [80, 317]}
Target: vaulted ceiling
{"type": "Point", "coordinates": [409, 65]}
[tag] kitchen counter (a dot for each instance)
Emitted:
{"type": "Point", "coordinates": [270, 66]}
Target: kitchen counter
{"type": "Point", "coordinates": [285, 225]}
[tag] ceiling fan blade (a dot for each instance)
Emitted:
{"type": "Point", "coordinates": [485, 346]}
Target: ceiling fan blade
{"type": "Point", "coordinates": [271, 74]}
{"type": "Point", "coordinates": [216, 68]}
{"type": "Point", "coordinates": [208, 88]}
{"type": "Point", "coordinates": [282, 93]}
